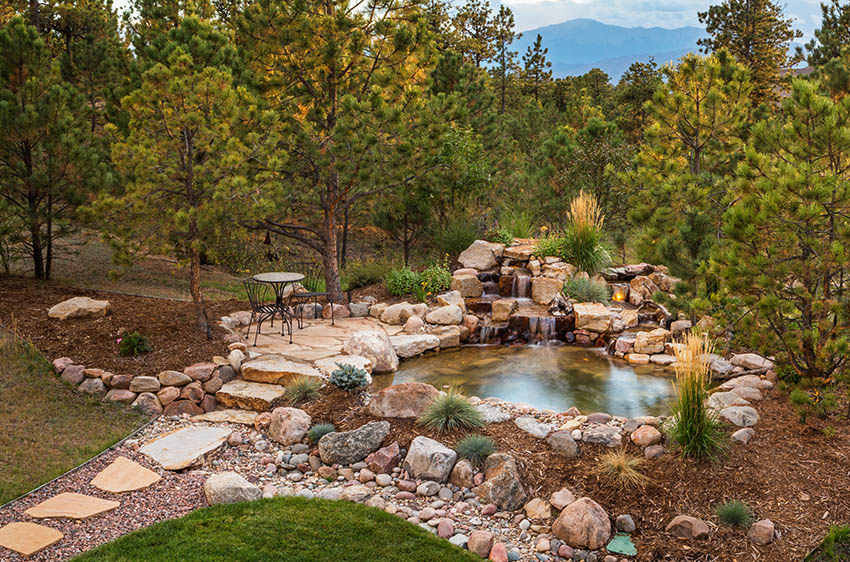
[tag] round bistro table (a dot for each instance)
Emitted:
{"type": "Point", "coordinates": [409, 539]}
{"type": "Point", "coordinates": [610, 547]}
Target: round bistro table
{"type": "Point", "coordinates": [279, 280]}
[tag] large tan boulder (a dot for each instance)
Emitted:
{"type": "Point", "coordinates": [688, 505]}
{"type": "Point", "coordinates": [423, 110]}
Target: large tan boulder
{"type": "Point", "coordinates": [544, 289]}
{"type": "Point", "coordinates": [651, 342]}
{"type": "Point", "coordinates": [78, 307]}
{"type": "Point", "coordinates": [407, 346]}
{"type": "Point", "coordinates": [289, 425]}
{"type": "Point", "coordinates": [641, 289]}
{"type": "Point", "coordinates": [583, 524]}
{"type": "Point", "coordinates": [467, 285]}
{"type": "Point", "coordinates": [502, 485]}
{"type": "Point", "coordinates": [503, 308]}
{"type": "Point", "coordinates": [274, 369]}
{"type": "Point", "coordinates": [520, 252]}
{"type": "Point", "coordinates": [374, 346]}
{"type": "Point", "coordinates": [592, 316]}
{"type": "Point", "coordinates": [559, 270]}
{"type": "Point", "coordinates": [452, 297]}
{"type": "Point", "coordinates": [397, 314]}
{"type": "Point", "coordinates": [449, 315]}
{"type": "Point", "coordinates": [405, 400]}
{"type": "Point", "coordinates": [481, 255]}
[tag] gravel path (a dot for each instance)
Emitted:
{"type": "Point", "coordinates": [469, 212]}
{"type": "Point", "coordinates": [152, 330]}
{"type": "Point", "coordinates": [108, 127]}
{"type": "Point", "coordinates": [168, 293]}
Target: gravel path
{"type": "Point", "coordinates": [175, 495]}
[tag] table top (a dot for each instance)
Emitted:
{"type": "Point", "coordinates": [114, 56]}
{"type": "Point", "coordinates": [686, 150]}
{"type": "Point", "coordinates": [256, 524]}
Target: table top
{"type": "Point", "coordinates": [279, 277]}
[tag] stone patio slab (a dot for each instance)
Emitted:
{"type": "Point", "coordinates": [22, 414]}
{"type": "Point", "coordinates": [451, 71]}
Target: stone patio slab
{"type": "Point", "coordinates": [72, 505]}
{"type": "Point", "coordinates": [274, 369]}
{"type": "Point", "coordinates": [311, 354]}
{"type": "Point", "coordinates": [185, 447]}
{"type": "Point", "coordinates": [28, 538]}
{"type": "Point", "coordinates": [228, 416]}
{"type": "Point", "coordinates": [250, 395]}
{"type": "Point", "coordinates": [124, 475]}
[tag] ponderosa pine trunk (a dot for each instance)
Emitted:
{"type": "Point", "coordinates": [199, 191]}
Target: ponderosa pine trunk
{"type": "Point", "coordinates": [195, 289]}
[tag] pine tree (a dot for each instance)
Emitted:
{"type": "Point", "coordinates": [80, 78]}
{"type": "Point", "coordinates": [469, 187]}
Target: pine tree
{"type": "Point", "coordinates": [832, 35]}
{"type": "Point", "coordinates": [635, 88]}
{"type": "Point", "coordinates": [476, 32]}
{"type": "Point", "coordinates": [536, 69]}
{"type": "Point", "coordinates": [785, 251]}
{"type": "Point", "coordinates": [759, 36]}
{"type": "Point", "coordinates": [505, 58]}
{"type": "Point", "coordinates": [47, 161]}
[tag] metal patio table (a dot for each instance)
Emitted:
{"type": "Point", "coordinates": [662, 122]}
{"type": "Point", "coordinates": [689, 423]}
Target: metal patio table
{"type": "Point", "coordinates": [279, 280]}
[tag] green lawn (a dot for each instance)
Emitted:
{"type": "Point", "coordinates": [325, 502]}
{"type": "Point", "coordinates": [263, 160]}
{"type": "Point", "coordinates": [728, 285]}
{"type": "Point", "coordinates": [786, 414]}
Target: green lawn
{"type": "Point", "coordinates": [282, 529]}
{"type": "Point", "coordinates": [48, 428]}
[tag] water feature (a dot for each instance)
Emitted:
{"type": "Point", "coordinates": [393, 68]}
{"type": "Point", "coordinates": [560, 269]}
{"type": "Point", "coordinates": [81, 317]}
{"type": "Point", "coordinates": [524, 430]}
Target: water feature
{"type": "Point", "coordinates": [555, 377]}
{"type": "Point", "coordinates": [521, 287]}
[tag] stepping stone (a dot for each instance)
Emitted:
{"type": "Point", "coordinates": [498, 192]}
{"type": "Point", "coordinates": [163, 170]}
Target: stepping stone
{"type": "Point", "coordinates": [250, 395]}
{"type": "Point", "coordinates": [28, 538]}
{"type": "Point", "coordinates": [69, 504]}
{"type": "Point", "coordinates": [185, 447]}
{"type": "Point", "coordinates": [246, 417]}
{"type": "Point", "coordinates": [274, 369]}
{"type": "Point", "coordinates": [124, 475]}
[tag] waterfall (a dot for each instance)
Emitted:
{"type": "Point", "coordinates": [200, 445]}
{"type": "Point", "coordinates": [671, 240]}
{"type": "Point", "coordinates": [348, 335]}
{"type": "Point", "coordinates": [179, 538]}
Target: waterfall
{"type": "Point", "coordinates": [521, 287]}
{"type": "Point", "coordinates": [485, 333]}
{"type": "Point", "coordinates": [542, 329]}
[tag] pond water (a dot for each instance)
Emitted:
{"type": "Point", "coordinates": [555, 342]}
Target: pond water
{"type": "Point", "coordinates": [545, 377]}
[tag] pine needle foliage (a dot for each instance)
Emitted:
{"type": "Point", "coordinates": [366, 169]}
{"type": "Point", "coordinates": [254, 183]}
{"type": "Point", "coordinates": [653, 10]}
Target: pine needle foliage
{"type": "Point", "coordinates": [695, 427]}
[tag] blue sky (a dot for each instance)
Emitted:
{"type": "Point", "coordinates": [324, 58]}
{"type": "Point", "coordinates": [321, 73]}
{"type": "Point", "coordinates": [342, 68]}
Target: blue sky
{"type": "Point", "coordinates": [640, 13]}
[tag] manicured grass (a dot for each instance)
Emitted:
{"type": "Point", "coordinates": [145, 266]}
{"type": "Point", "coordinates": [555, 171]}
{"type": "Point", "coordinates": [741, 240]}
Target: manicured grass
{"type": "Point", "coordinates": [282, 529]}
{"type": "Point", "coordinates": [48, 428]}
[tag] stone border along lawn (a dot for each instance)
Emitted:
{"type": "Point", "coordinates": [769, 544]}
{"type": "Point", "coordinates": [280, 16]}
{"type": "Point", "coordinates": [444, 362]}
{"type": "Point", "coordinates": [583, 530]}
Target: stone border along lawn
{"type": "Point", "coordinates": [281, 529]}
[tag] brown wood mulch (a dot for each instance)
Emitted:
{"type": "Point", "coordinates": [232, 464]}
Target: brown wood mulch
{"type": "Point", "coordinates": [170, 326]}
{"type": "Point", "coordinates": [790, 473]}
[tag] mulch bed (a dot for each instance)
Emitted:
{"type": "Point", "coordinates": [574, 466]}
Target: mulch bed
{"type": "Point", "coordinates": [790, 474]}
{"type": "Point", "coordinates": [170, 325]}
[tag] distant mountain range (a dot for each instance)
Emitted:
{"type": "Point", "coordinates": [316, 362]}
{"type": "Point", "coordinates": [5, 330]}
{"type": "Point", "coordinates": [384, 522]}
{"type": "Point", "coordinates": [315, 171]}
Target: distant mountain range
{"type": "Point", "coordinates": [578, 45]}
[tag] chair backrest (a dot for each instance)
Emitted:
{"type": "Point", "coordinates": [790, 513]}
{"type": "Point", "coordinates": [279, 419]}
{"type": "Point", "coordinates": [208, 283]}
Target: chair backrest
{"type": "Point", "coordinates": [256, 291]}
{"type": "Point", "coordinates": [314, 277]}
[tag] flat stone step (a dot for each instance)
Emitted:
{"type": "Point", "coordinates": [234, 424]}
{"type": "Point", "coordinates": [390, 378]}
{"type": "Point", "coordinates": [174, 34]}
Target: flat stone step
{"type": "Point", "coordinates": [28, 538]}
{"type": "Point", "coordinates": [71, 505]}
{"type": "Point", "coordinates": [249, 395]}
{"type": "Point", "coordinates": [185, 447]}
{"type": "Point", "coordinates": [229, 415]}
{"type": "Point", "coordinates": [274, 369]}
{"type": "Point", "coordinates": [124, 475]}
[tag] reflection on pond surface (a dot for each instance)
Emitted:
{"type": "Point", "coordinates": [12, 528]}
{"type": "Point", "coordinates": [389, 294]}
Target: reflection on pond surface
{"type": "Point", "coordinates": [544, 377]}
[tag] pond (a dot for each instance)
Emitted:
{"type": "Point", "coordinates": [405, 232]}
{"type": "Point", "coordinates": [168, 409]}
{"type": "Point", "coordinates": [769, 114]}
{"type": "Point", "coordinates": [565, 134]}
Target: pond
{"type": "Point", "coordinates": [545, 377]}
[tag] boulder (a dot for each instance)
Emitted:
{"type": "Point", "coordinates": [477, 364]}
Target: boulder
{"type": "Point", "coordinates": [173, 378]}
{"type": "Point", "coordinates": [358, 309]}
{"type": "Point", "coordinates": [449, 315]}
{"type": "Point", "coordinates": [144, 384]}
{"type": "Point", "coordinates": [563, 444]}
{"type": "Point", "coordinates": [60, 364]}
{"type": "Point", "coordinates": [95, 387]}
{"type": "Point", "coordinates": [120, 395]}
{"type": "Point", "coordinates": [544, 289]}
{"type": "Point", "coordinates": [274, 369]}
{"type": "Point", "coordinates": [467, 285]}
{"type": "Point", "coordinates": [630, 318]}
{"type": "Point", "coordinates": [747, 393]}
{"type": "Point", "coordinates": [761, 532]}
{"type": "Point", "coordinates": [329, 365]}
{"type": "Point", "coordinates": [742, 416]}
{"type": "Point", "coordinates": [452, 297]}
{"type": "Point", "coordinates": [407, 346]}
{"type": "Point", "coordinates": [753, 381]}
{"type": "Point", "coordinates": [462, 474]}
{"type": "Point", "coordinates": [751, 361]}
{"type": "Point", "coordinates": [428, 459]}
{"type": "Point", "coordinates": [201, 372]}
{"type": "Point", "coordinates": [583, 524]}
{"type": "Point", "coordinates": [720, 400]}
{"type": "Point", "coordinates": [168, 394]}
{"type": "Point", "coordinates": [235, 359]}
{"type": "Point", "coordinates": [384, 459]}
{"type": "Point", "coordinates": [743, 435]}
{"type": "Point", "coordinates": [592, 316]}
{"type": "Point", "coordinates": [532, 426]}
{"type": "Point", "coordinates": [480, 543]}
{"type": "Point", "coordinates": [492, 414]}
{"type": "Point", "coordinates": [250, 395]}
{"type": "Point", "coordinates": [662, 359]}
{"type": "Point", "coordinates": [405, 400]}
{"type": "Point", "coordinates": [687, 527]}
{"type": "Point", "coordinates": [339, 311]}
{"type": "Point", "coordinates": [348, 447]}
{"type": "Point", "coordinates": [481, 255]}
{"type": "Point", "coordinates": [679, 327]}
{"type": "Point", "coordinates": [73, 374]}
{"type": "Point", "coordinates": [449, 336]}
{"type": "Point", "coordinates": [289, 425]}
{"type": "Point", "coordinates": [502, 485]}
{"type": "Point", "coordinates": [607, 435]}
{"type": "Point", "coordinates": [641, 289]}
{"type": "Point", "coordinates": [376, 347]}
{"type": "Point", "coordinates": [148, 403]}
{"type": "Point", "coordinates": [192, 391]}
{"type": "Point", "coordinates": [78, 307]}
{"type": "Point", "coordinates": [538, 508]}
{"type": "Point", "coordinates": [180, 407]}
{"type": "Point", "coordinates": [230, 487]}
{"type": "Point", "coordinates": [414, 325]}
{"type": "Point", "coordinates": [561, 499]}
{"type": "Point", "coordinates": [646, 435]}
{"type": "Point", "coordinates": [638, 358]}
{"type": "Point", "coordinates": [651, 342]}
{"type": "Point", "coordinates": [397, 314]}
{"type": "Point", "coordinates": [502, 309]}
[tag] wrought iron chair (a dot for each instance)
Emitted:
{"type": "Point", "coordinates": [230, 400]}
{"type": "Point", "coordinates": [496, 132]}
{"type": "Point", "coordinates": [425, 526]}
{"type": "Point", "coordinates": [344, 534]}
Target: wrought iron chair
{"type": "Point", "coordinates": [261, 308]}
{"type": "Point", "coordinates": [313, 275]}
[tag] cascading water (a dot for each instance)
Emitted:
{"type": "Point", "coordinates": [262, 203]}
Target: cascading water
{"type": "Point", "coordinates": [521, 287]}
{"type": "Point", "coordinates": [542, 329]}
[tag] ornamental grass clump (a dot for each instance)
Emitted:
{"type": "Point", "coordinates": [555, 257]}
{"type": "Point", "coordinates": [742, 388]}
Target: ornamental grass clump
{"type": "Point", "coordinates": [695, 428]}
{"type": "Point", "coordinates": [301, 390]}
{"type": "Point", "coordinates": [319, 430]}
{"type": "Point", "coordinates": [349, 377]}
{"type": "Point", "coordinates": [451, 411]}
{"type": "Point", "coordinates": [622, 470]}
{"type": "Point", "coordinates": [475, 448]}
{"type": "Point", "coordinates": [584, 244]}
{"type": "Point", "coordinates": [587, 290]}
{"type": "Point", "coordinates": [735, 513]}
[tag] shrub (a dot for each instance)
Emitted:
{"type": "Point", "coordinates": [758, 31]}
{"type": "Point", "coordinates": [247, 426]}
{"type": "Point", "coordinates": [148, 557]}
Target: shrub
{"type": "Point", "coordinates": [735, 513]}
{"type": "Point", "coordinates": [436, 278]}
{"type": "Point", "coordinates": [363, 274]}
{"type": "Point", "coordinates": [695, 428]}
{"type": "Point", "coordinates": [475, 448]}
{"type": "Point", "coordinates": [133, 344]}
{"type": "Point", "coordinates": [519, 223]}
{"type": "Point", "coordinates": [587, 290]}
{"type": "Point", "coordinates": [801, 402]}
{"type": "Point", "coordinates": [621, 470]}
{"type": "Point", "coordinates": [457, 235]}
{"type": "Point", "coordinates": [835, 546]}
{"type": "Point", "coordinates": [319, 430]}
{"type": "Point", "coordinates": [402, 281]}
{"type": "Point", "coordinates": [349, 377]}
{"type": "Point", "coordinates": [500, 236]}
{"type": "Point", "coordinates": [451, 411]}
{"type": "Point", "coordinates": [552, 246]}
{"type": "Point", "coordinates": [302, 389]}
